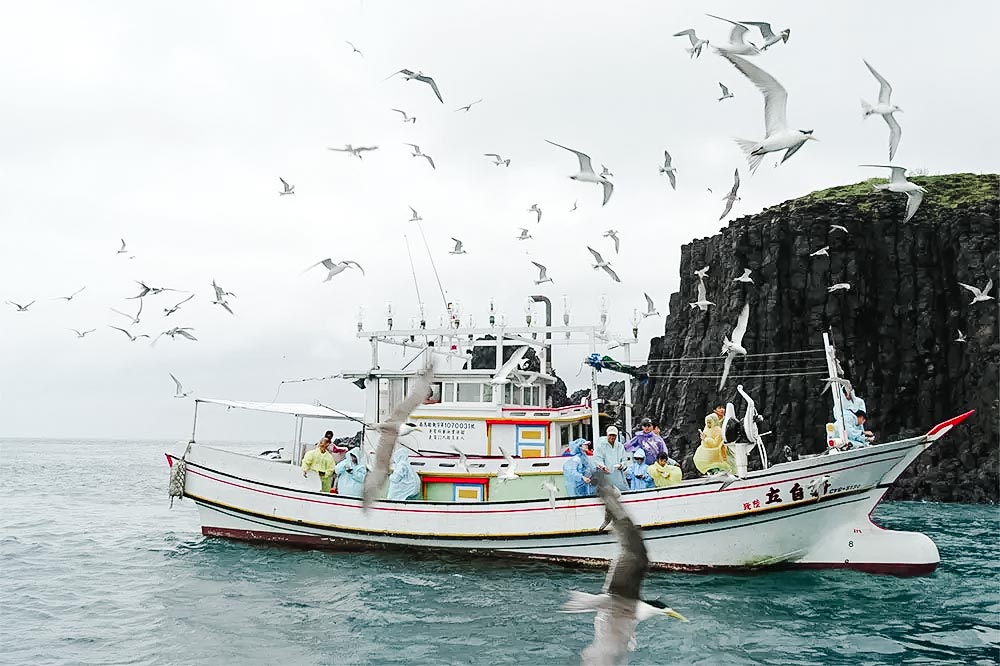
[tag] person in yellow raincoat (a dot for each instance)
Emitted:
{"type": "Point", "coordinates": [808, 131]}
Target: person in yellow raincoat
{"type": "Point", "coordinates": [712, 455]}
{"type": "Point", "coordinates": [663, 473]}
{"type": "Point", "coordinates": [320, 460]}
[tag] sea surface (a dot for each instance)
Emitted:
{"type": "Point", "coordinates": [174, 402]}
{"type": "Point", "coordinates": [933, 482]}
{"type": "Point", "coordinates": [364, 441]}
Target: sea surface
{"type": "Point", "coordinates": [95, 568]}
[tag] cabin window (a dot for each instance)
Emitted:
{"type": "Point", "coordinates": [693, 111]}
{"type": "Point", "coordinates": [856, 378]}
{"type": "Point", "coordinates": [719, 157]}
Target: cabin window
{"type": "Point", "coordinates": [531, 395]}
{"type": "Point", "coordinates": [449, 392]}
{"type": "Point", "coordinates": [487, 393]}
{"type": "Point", "coordinates": [468, 392]}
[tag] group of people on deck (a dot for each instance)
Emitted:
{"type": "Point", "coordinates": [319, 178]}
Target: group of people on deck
{"type": "Point", "coordinates": [343, 471]}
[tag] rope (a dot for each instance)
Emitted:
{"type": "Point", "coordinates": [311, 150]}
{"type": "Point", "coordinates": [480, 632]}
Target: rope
{"type": "Point", "coordinates": [413, 270]}
{"type": "Point", "coordinates": [755, 376]}
{"type": "Point", "coordinates": [444, 299]}
{"type": "Point", "coordinates": [702, 358]}
{"type": "Point", "coordinates": [178, 477]}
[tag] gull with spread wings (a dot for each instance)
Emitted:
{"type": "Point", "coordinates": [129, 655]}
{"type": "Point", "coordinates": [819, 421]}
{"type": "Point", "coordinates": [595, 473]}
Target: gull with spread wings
{"type": "Point", "coordinates": [587, 174]}
{"type": "Point", "coordinates": [603, 264]}
{"type": "Point", "coordinates": [410, 75]}
{"type": "Point", "coordinates": [885, 109]}
{"type": "Point", "coordinates": [733, 348]}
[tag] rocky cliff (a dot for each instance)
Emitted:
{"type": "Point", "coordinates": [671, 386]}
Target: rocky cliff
{"type": "Point", "coordinates": [895, 329]}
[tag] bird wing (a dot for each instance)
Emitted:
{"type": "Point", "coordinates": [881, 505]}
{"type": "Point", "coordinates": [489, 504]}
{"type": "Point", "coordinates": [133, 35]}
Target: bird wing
{"type": "Point", "coordinates": [405, 72]}
{"type": "Point", "coordinates": [738, 33]}
{"type": "Point", "coordinates": [741, 325]}
{"type": "Point", "coordinates": [184, 333]}
{"type": "Point", "coordinates": [975, 290]}
{"type": "Point", "coordinates": [614, 633]}
{"type": "Point", "coordinates": [729, 207]}
{"type": "Point", "coordinates": [884, 89]}
{"type": "Point", "coordinates": [609, 187]}
{"type": "Point", "coordinates": [122, 330]}
{"type": "Point", "coordinates": [736, 183]}
{"type": "Point", "coordinates": [895, 133]}
{"type": "Point", "coordinates": [775, 96]}
{"type": "Point", "coordinates": [361, 149]}
{"type": "Point", "coordinates": [413, 145]}
{"type": "Point", "coordinates": [123, 244]}
{"type": "Point", "coordinates": [725, 90]}
{"type": "Point", "coordinates": [77, 292]}
{"type": "Point", "coordinates": [615, 237]}
{"type": "Point", "coordinates": [140, 310]}
{"type": "Point", "coordinates": [672, 177]}
{"type": "Point", "coordinates": [690, 35]}
{"type": "Point", "coordinates": [458, 244]}
{"type": "Point", "coordinates": [649, 303]}
{"type": "Point", "coordinates": [986, 288]}
{"type": "Point", "coordinates": [913, 200]}
{"type": "Point", "coordinates": [666, 157]}
{"type": "Point", "coordinates": [180, 389]}
{"type": "Point", "coordinates": [611, 272]}
{"type": "Point", "coordinates": [632, 562]}
{"type": "Point", "coordinates": [226, 306]}
{"type": "Point", "coordinates": [765, 28]}
{"type": "Point", "coordinates": [725, 370]}
{"type": "Point", "coordinates": [219, 294]}
{"type": "Point", "coordinates": [340, 150]}
{"type": "Point", "coordinates": [116, 311]}
{"type": "Point", "coordinates": [348, 262]}
{"type": "Point", "coordinates": [415, 214]}
{"type": "Point", "coordinates": [702, 294]}
{"type": "Point", "coordinates": [283, 182]}
{"type": "Point", "coordinates": [492, 155]}
{"type": "Point", "coordinates": [431, 160]}
{"type": "Point", "coordinates": [597, 255]}
{"type": "Point", "coordinates": [326, 263]}
{"type": "Point", "coordinates": [541, 270]}
{"type": "Point", "coordinates": [400, 111]}
{"type": "Point", "coordinates": [185, 300]}
{"type": "Point", "coordinates": [585, 166]}
{"type": "Point", "coordinates": [429, 81]}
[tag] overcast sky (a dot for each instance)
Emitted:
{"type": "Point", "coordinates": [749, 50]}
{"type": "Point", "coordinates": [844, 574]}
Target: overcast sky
{"type": "Point", "coordinates": [169, 124]}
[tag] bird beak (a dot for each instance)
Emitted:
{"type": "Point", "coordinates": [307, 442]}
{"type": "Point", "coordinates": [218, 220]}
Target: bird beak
{"type": "Point", "coordinates": [812, 138]}
{"type": "Point", "coordinates": [674, 614]}
{"type": "Point", "coordinates": [417, 429]}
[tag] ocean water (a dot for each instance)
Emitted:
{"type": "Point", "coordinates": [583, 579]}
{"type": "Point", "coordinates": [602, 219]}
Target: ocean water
{"type": "Point", "coordinates": [96, 569]}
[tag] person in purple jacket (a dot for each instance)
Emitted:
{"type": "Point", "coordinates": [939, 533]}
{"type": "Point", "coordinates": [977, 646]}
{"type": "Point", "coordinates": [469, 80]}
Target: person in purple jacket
{"type": "Point", "coordinates": [649, 442]}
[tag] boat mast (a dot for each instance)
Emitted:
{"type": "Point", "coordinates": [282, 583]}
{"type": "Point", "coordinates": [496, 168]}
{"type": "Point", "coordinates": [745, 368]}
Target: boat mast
{"type": "Point", "coordinates": [835, 389]}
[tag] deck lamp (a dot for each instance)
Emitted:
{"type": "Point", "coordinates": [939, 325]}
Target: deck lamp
{"type": "Point", "coordinates": [493, 319]}
{"type": "Point", "coordinates": [388, 314]}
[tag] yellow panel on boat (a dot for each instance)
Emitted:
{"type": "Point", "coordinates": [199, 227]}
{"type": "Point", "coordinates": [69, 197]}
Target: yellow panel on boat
{"type": "Point", "coordinates": [532, 434]}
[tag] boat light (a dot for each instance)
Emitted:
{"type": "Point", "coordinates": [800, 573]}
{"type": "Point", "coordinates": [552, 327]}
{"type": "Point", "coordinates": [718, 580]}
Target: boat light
{"type": "Point", "coordinates": [413, 325]}
{"type": "Point", "coordinates": [565, 302]}
{"type": "Point", "coordinates": [493, 319]}
{"type": "Point", "coordinates": [529, 306]}
{"type": "Point", "coordinates": [604, 310]}
{"type": "Point", "coordinates": [635, 323]}
{"type": "Point", "coordinates": [361, 317]}
{"type": "Point", "coordinates": [388, 314]}
{"type": "Point", "coordinates": [423, 320]}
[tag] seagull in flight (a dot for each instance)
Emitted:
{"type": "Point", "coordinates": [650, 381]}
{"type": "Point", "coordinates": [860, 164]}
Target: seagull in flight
{"type": "Point", "coordinates": [498, 160]}
{"type": "Point", "coordinates": [179, 391]}
{"type": "Point", "coordinates": [650, 308]}
{"type": "Point", "coordinates": [573, 208]}
{"type": "Point", "coordinates": [468, 107]}
{"type": "Point", "coordinates": [220, 297]}
{"type": "Point", "coordinates": [885, 109]}
{"type": "Point", "coordinates": [731, 198]}
{"type": "Point", "coordinates": [174, 332]}
{"type": "Point", "coordinates": [123, 249]}
{"type": "Point", "coordinates": [702, 303]}
{"type": "Point", "coordinates": [131, 338]}
{"type": "Point", "coordinates": [289, 189]}
{"type": "Point", "coordinates": [169, 311]}
{"type": "Point", "coordinates": [543, 274]}
{"type": "Point", "coordinates": [135, 319]}
{"type": "Point", "coordinates": [696, 44]}
{"type": "Point", "coordinates": [745, 277]}
{"type": "Point", "coordinates": [979, 295]}
{"type": "Point", "coordinates": [778, 136]}
{"type": "Point", "coordinates": [537, 211]}
{"type": "Point", "coordinates": [737, 40]}
{"type": "Point", "coordinates": [335, 268]}
{"type": "Point", "coordinates": [613, 235]}
{"type": "Point", "coordinates": [525, 234]}
{"type": "Point", "coordinates": [348, 148]}
{"type": "Point", "coordinates": [416, 153]}
{"type": "Point", "coordinates": [587, 174]}
{"type": "Point", "coordinates": [822, 252]}
{"type": "Point", "coordinates": [355, 48]}
{"type": "Point", "coordinates": [734, 347]}
{"type": "Point", "coordinates": [603, 264]}
{"type": "Point", "coordinates": [702, 273]}
{"type": "Point", "coordinates": [146, 289]}
{"type": "Point", "coordinates": [838, 227]}
{"type": "Point", "coordinates": [960, 338]}
{"type": "Point", "coordinates": [619, 608]}
{"type": "Point", "coordinates": [81, 334]}
{"type": "Point", "coordinates": [506, 472]}
{"type": "Point", "coordinates": [898, 183]}
{"type": "Point", "coordinates": [770, 39]}
{"type": "Point", "coordinates": [406, 118]}
{"type": "Point", "coordinates": [70, 297]}
{"type": "Point", "coordinates": [669, 169]}
{"type": "Point", "coordinates": [416, 216]}
{"type": "Point", "coordinates": [550, 486]}
{"type": "Point", "coordinates": [409, 75]}
{"type": "Point", "coordinates": [840, 286]}
{"type": "Point", "coordinates": [458, 247]}
{"type": "Point", "coordinates": [725, 92]}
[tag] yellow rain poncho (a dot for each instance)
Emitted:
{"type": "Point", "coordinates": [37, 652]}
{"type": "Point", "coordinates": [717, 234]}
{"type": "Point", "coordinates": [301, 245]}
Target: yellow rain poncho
{"type": "Point", "coordinates": [712, 455]}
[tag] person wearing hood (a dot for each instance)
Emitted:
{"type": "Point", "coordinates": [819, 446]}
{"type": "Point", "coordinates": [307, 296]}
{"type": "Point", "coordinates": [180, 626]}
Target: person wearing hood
{"type": "Point", "coordinates": [712, 456]}
{"type": "Point", "coordinates": [404, 483]}
{"type": "Point", "coordinates": [648, 441]}
{"type": "Point", "coordinates": [320, 460]}
{"type": "Point", "coordinates": [351, 473]}
{"type": "Point", "coordinates": [850, 403]}
{"type": "Point", "coordinates": [610, 458]}
{"type": "Point", "coordinates": [665, 472]}
{"type": "Point", "coordinates": [578, 471]}
{"type": "Point", "coordinates": [637, 473]}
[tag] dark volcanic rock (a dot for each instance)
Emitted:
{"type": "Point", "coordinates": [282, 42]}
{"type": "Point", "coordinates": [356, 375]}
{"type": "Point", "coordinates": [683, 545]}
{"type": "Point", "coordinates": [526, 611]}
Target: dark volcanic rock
{"type": "Point", "coordinates": [894, 330]}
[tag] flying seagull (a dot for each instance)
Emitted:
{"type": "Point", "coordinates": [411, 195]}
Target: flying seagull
{"type": "Point", "coordinates": [81, 334]}
{"type": "Point", "coordinates": [409, 75]}
{"type": "Point", "coordinates": [898, 183]}
{"type": "Point", "coordinates": [468, 107]}
{"type": "Point", "coordinates": [702, 303]}
{"type": "Point", "coordinates": [348, 148]}
{"type": "Point", "coordinates": [416, 153]}
{"type": "Point", "coordinates": [289, 189]}
{"type": "Point", "coordinates": [543, 273]}
{"type": "Point", "coordinates": [979, 295]}
{"type": "Point", "coordinates": [179, 392]}
{"type": "Point", "coordinates": [734, 347]}
{"type": "Point", "coordinates": [552, 489]}
{"type": "Point", "coordinates": [613, 235]}
{"type": "Point", "coordinates": [169, 311]}
{"type": "Point", "coordinates": [669, 169]}
{"type": "Point", "coordinates": [525, 234]}
{"type": "Point", "coordinates": [391, 430]}
{"type": "Point", "coordinates": [737, 40]}
{"type": "Point", "coordinates": [174, 332]}
{"type": "Point", "coordinates": [123, 249]}
{"type": "Point", "coordinates": [822, 252]}
{"type": "Point", "coordinates": [416, 216]}
{"type": "Point", "coordinates": [458, 247]}
{"type": "Point", "coordinates": [745, 277]}
{"type": "Point", "coordinates": [702, 272]}
{"type": "Point", "coordinates": [838, 227]}
{"type": "Point", "coordinates": [538, 212]}
{"type": "Point", "coordinates": [725, 92]}
{"type": "Point", "coordinates": [497, 160]}
{"type": "Point", "coordinates": [506, 472]}
{"type": "Point", "coordinates": [135, 319]}
{"type": "Point", "coordinates": [355, 48]}
{"type": "Point", "coordinates": [573, 208]}
{"type": "Point", "coordinates": [960, 338]}
{"type": "Point", "coordinates": [406, 118]}
{"type": "Point", "coordinates": [335, 268]}
{"type": "Point", "coordinates": [885, 109]}
{"type": "Point", "coordinates": [146, 289]}
{"type": "Point", "coordinates": [587, 174]}
{"type": "Point", "coordinates": [778, 136]}
{"type": "Point", "coordinates": [463, 461]}
{"type": "Point", "coordinates": [696, 44]}
{"type": "Point", "coordinates": [770, 39]}
{"type": "Point", "coordinates": [731, 198]}
{"type": "Point", "coordinates": [840, 286]}
{"type": "Point", "coordinates": [220, 297]}
{"type": "Point", "coordinates": [603, 264]}
{"type": "Point", "coordinates": [70, 297]}
{"type": "Point", "coordinates": [131, 338]}
{"type": "Point", "coordinates": [618, 608]}
{"type": "Point", "coordinates": [650, 308]}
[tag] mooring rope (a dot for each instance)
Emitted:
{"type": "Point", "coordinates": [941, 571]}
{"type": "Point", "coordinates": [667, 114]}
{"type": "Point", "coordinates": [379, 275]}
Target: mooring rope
{"type": "Point", "coordinates": [178, 476]}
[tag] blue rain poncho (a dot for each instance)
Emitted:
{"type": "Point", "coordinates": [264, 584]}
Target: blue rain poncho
{"type": "Point", "coordinates": [404, 483]}
{"type": "Point", "coordinates": [612, 456]}
{"type": "Point", "coordinates": [576, 468]}
{"type": "Point", "coordinates": [638, 476]}
{"type": "Point", "coordinates": [351, 474]}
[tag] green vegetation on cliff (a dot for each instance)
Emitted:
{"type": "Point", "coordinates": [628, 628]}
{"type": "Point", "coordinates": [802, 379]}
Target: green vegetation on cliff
{"type": "Point", "coordinates": [949, 190]}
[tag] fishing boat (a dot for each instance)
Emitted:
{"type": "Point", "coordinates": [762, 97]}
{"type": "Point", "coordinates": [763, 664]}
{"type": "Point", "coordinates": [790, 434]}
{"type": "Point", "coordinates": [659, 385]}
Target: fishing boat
{"type": "Point", "coordinates": [813, 512]}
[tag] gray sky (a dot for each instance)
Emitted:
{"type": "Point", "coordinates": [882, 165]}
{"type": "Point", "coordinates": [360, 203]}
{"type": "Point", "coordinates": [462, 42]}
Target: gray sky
{"type": "Point", "coordinates": [169, 125]}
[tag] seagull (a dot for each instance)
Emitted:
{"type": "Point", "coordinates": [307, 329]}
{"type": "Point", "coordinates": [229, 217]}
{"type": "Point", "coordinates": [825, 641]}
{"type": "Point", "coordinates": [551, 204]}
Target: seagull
{"type": "Point", "coordinates": [603, 264]}
{"type": "Point", "coordinates": [613, 235]}
{"type": "Point", "coordinates": [348, 148]}
{"type": "Point", "coordinates": [669, 169]}
{"type": "Point", "coordinates": [336, 268]}
{"type": "Point", "coordinates": [416, 153]}
{"type": "Point", "coordinates": [146, 289]}
{"type": "Point", "coordinates": [497, 160]}
{"type": "Point", "coordinates": [543, 274]}
{"type": "Point", "coordinates": [587, 174]}
{"type": "Point", "coordinates": [778, 135]}
{"type": "Point", "coordinates": [702, 272]}
{"type": "Point", "coordinates": [618, 608]}
{"type": "Point", "coordinates": [538, 211]}
{"type": "Point", "coordinates": [550, 486]}
{"type": "Point", "coordinates": [131, 338]}
{"type": "Point", "coordinates": [458, 247]}
{"type": "Point", "coordinates": [70, 297]}
{"type": "Point", "coordinates": [822, 252]}
{"type": "Point", "coordinates": [289, 189]}
{"type": "Point", "coordinates": [725, 92]}
{"type": "Point", "coordinates": [179, 392]}
{"type": "Point", "coordinates": [406, 118]}
{"type": "Point", "coordinates": [416, 216]}
{"type": "Point", "coordinates": [169, 311]}
{"type": "Point", "coordinates": [409, 75]}
{"type": "Point", "coordinates": [573, 208]}
{"type": "Point", "coordinates": [898, 183]}
{"type": "Point", "coordinates": [770, 39]}
{"type": "Point", "coordinates": [884, 109]}
{"type": "Point", "coordinates": [355, 48]}
{"type": "Point", "coordinates": [745, 277]}
{"type": "Point", "coordinates": [606, 173]}
{"type": "Point", "coordinates": [696, 44]}
{"type": "Point", "coordinates": [650, 308]}
{"type": "Point", "coordinates": [702, 303]}
{"type": "Point", "coordinates": [82, 334]}
{"type": "Point", "coordinates": [734, 347]}
{"type": "Point", "coordinates": [135, 319]}
{"type": "Point", "coordinates": [469, 106]}
{"type": "Point", "coordinates": [220, 297]}
{"type": "Point", "coordinates": [525, 235]}
{"type": "Point", "coordinates": [731, 198]}
{"type": "Point", "coordinates": [840, 286]}
{"type": "Point", "coordinates": [737, 40]}
{"type": "Point", "coordinates": [507, 473]}
{"type": "Point", "coordinates": [123, 249]}
{"type": "Point", "coordinates": [391, 430]}
{"type": "Point", "coordinates": [960, 338]}
{"type": "Point", "coordinates": [838, 227]}
{"type": "Point", "coordinates": [978, 295]}
{"type": "Point", "coordinates": [174, 332]}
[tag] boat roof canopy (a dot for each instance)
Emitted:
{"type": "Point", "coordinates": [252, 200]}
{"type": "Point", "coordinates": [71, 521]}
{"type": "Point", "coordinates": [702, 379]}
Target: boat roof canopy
{"type": "Point", "coordinates": [293, 408]}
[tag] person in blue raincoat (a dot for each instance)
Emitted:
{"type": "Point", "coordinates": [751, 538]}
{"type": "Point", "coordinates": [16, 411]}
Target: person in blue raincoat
{"type": "Point", "coordinates": [404, 483]}
{"type": "Point", "coordinates": [637, 474]}
{"type": "Point", "coordinates": [578, 471]}
{"type": "Point", "coordinates": [351, 472]}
